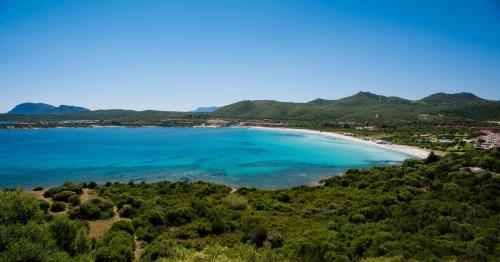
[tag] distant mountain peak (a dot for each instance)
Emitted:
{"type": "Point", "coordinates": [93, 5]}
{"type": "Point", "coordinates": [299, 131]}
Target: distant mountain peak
{"type": "Point", "coordinates": [207, 109]}
{"type": "Point", "coordinates": [444, 98]}
{"type": "Point", "coordinates": [41, 108]}
{"type": "Point", "coordinates": [365, 93]}
{"type": "Point", "coordinates": [320, 101]}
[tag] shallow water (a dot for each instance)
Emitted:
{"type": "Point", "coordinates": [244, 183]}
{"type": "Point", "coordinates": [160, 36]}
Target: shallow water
{"type": "Point", "coordinates": [234, 156]}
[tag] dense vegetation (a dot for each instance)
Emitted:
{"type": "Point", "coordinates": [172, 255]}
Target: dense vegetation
{"type": "Point", "coordinates": [111, 114]}
{"type": "Point", "coordinates": [418, 134]}
{"type": "Point", "coordinates": [366, 106]}
{"type": "Point", "coordinates": [431, 209]}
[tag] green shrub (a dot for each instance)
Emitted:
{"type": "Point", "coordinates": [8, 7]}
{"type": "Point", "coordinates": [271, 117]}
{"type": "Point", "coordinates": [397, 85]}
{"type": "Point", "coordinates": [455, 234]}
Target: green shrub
{"type": "Point", "coordinates": [144, 234]}
{"type": "Point", "coordinates": [44, 205]}
{"type": "Point", "coordinates": [218, 226]}
{"type": "Point", "coordinates": [358, 218]}
{"type": "Point", "coordinates": [63, 196]}
{"type": "Point", "coordinates": [17, 207]}
{"type": "Point", "coordinates": [29, 242]}
{"type": "Point", "coordinates": [275, 239]}
{"type": "Point", "coordinates": [82, 244]}
{"type": "Point", "coordinates": [236, 202]}
{"type": "Point", "coordinates": [93, 209]}
{"type": "Point", "coordinates": [64, 231]}
{"type": "Point", "coordinates": [155, 217]}
{"type": "Point", "coordinates": [253, 231]}
{"type": "Point", "coordinates": [162, 247]}
{"type": "Point", "coordinates": [126, 211]}
{"type": "Point", "coordinates": [92, 185]}
{"type": "Point", "coordinates": [204, 229]}
{"type": "Point", "coordinates": [118, 246]}
{"type": "Point", "coordinates": [123, 225]}
{"type": "Point", "coordinates": [67, 186]}
{"type": "Point", "coordinates": [283, 197]}
{"type": "Point", "coordinates": [57, 206]}
{"type": "Point", "coordinates": [179, 216]}
{"type": "Point", "coordinates": [74, 200]}
{"type": "Point", "coordinates": [38, 188]}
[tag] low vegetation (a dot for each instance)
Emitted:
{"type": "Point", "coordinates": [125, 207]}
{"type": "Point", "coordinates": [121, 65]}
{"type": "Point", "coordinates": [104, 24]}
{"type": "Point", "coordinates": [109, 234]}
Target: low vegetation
{"type": "Point", "coordinates": [431, 209]}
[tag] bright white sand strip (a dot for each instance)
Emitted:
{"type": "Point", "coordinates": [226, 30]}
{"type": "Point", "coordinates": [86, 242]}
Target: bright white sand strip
{"type": "Point", "coordinates": [410, 150]}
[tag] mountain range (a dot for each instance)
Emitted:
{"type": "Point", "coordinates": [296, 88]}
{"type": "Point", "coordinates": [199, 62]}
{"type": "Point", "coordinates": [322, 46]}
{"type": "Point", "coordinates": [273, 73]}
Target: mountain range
{"type": "Point", "coordinates": [363, 106]}
{"type": "Point", "coordinates": [45, 109]}
{"type": "Point", "coordinates": [366, 106]}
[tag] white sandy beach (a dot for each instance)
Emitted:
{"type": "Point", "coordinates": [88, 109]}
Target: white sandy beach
{"type": "Point", "coordinates": [410, 150]}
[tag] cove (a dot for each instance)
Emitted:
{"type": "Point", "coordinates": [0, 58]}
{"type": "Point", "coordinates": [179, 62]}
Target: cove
{"type": "Point", "coordinates": [233, 156]}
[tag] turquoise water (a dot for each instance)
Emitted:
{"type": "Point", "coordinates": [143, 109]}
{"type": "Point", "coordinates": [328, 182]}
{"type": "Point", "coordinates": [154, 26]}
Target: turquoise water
{"type": "Point", "coordinates": [237, 157]}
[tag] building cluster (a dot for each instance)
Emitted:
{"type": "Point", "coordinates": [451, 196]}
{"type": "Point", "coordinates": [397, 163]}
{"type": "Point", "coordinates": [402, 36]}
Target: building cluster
{"type": "Point", "coordinates": [437, 139]}
{"type": "Point", "coordinates": [487, 141]}
{"type": "Point", "coordinates": [216, 123]}
{"type": "Point", "coordinates": [263, 123]}
{"type": "Point", "coordinates": [219, 122]}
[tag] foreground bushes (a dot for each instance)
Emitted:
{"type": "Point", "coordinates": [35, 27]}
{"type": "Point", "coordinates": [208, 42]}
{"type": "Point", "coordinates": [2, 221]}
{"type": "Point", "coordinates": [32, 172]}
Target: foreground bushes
{"type": "Point", "coordinates": [26, 236]}
{"type": "Point", "coordinates": [118, 245]}
{"type": "Point", "coordinates": [93, 209]}
{"type": "Point", "coordinates": [18, 208]}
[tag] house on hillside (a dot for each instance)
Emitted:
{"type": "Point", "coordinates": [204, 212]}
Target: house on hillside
{"type": "Point", "coordinates": [474, 170]}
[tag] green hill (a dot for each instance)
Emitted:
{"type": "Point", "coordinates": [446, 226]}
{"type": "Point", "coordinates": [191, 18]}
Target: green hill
{"type": "Point", "coordinates": [443, 99]}
{"type": "Point", "coordinates": [111, 114]}
{"type": "Point", "coordinates": [365, 106]}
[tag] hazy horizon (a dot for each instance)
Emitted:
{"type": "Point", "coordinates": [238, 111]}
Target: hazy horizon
{"type": "Point", "coordinates": [180, 55]}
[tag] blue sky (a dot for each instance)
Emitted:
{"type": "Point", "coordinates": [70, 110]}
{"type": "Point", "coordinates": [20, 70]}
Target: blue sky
{"type": "Point", "coordinates": [178, 55]}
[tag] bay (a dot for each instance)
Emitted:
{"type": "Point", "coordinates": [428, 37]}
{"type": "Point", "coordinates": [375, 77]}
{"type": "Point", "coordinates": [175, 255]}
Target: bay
{"type": "Point", "coordinates": [233, 156]}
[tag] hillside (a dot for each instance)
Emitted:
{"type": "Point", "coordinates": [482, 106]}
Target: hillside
{"type": "Point", "coordinates": [41, 108]}
{"type": "Point", "coordinates": [444, 99]}
{"type": "Point", "coordinates": [110, 114]}
{"type": "Point", "coordinates": [423, 210]}
{"type": "Point", "coordinates": [365, 106]}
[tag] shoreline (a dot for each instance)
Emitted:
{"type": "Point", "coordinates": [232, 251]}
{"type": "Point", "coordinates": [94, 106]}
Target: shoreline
{"type": "Point", "coordinates": [409, 150]}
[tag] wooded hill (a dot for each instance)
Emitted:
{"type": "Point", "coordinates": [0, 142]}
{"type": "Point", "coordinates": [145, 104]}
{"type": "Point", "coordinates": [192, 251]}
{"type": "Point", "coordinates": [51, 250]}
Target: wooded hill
{"type": "Point", "coordinates": [365, 106]}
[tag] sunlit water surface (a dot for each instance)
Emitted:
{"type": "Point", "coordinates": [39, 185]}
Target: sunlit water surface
{"type": "Point", "coordinates": [233, 156]}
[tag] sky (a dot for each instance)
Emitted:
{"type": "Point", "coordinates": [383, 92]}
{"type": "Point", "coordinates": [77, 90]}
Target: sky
{"type": "Point", "coordinates": [179, 55]}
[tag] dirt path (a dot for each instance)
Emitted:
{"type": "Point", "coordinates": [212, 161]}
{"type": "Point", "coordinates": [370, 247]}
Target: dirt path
{"type": "Point", "coordinates": [87, 194]}
{"type": "Point", "coordinates": [138, 250]}
{"type": "Point", "coordinates": [99, 227]}
{"type": "Point", "coordinates": [39, 195]}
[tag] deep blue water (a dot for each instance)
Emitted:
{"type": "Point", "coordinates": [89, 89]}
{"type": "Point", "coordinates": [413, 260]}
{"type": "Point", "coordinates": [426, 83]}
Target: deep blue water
{"type": "Point", "coordinates": [237, 157]}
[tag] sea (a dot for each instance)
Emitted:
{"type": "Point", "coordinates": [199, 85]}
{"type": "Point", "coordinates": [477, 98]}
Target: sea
{"type": "Point", "coordinates": [260, 158]}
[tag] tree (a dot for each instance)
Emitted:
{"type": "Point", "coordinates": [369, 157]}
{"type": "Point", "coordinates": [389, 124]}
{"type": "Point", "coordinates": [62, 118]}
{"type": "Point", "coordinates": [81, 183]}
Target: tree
{"type": "Point", "coordinates": [82, 244]}
{"type": "Point", "coordinates": [64, 231]}
{"type": "Point", "coordinates": [17, 207]}
{"type": "Point", "coordinates": [431, 158]}
{"type": "Point", "coordinates": [118, 246]}
{"type": "Point", "coordinates": [57, 206]}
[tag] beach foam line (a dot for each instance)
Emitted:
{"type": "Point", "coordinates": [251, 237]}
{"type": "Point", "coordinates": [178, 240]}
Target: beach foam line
{"type": "Point", "coordinates": [409, 150]}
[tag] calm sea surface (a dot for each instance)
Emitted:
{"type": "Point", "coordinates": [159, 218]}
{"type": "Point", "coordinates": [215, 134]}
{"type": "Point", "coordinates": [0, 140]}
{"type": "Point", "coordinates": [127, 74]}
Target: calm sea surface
{"type": "Point", "coordinates": [237, 157]}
